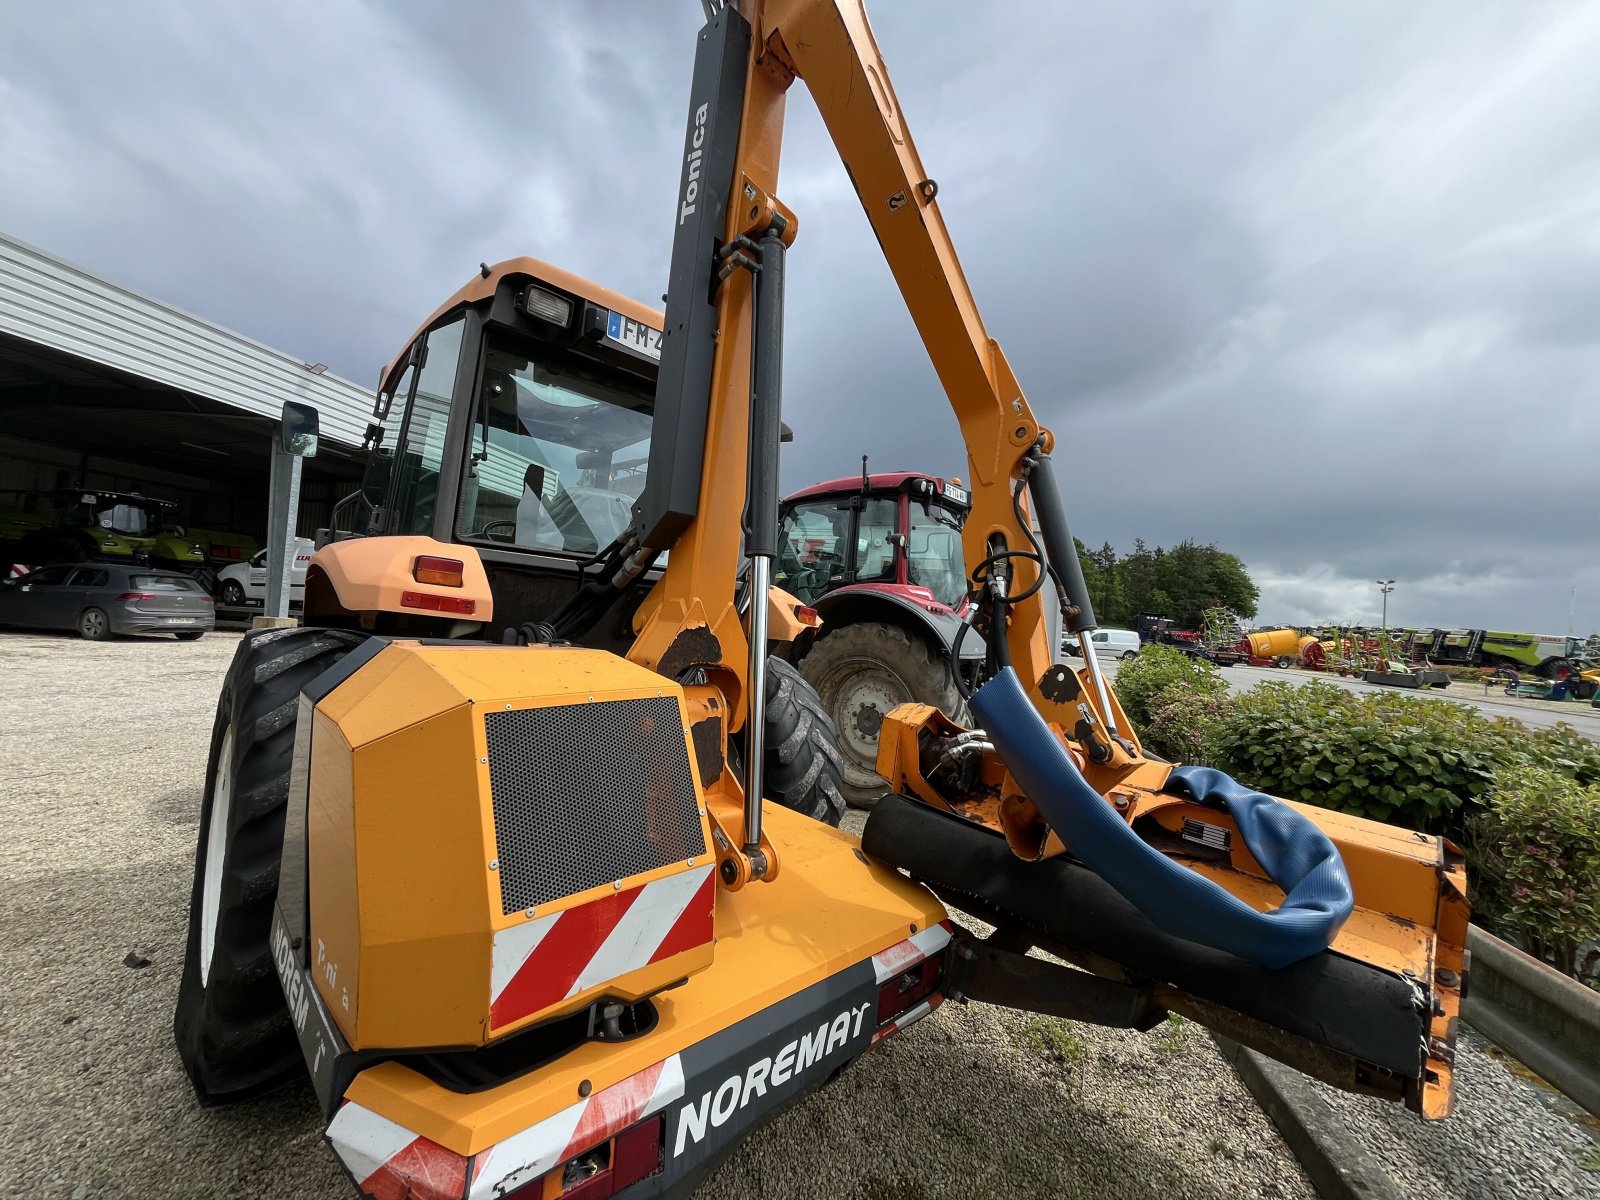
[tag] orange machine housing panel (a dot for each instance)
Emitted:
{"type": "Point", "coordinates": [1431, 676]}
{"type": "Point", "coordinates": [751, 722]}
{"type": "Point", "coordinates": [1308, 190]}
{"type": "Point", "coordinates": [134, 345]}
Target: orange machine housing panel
{"type": "Point", "coordinates": [499, 835]}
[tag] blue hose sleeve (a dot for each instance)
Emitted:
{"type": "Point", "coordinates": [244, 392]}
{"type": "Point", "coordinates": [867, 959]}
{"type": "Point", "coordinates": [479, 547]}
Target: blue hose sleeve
{"type": "Point", "coordinates": [1290, 848]}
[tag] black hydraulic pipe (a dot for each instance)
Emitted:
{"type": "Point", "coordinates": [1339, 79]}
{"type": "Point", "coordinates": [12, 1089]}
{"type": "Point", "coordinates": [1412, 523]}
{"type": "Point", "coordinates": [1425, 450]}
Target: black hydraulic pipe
{"type": "Point", "coordinates": [766, 398]}
{"type": "Point", "coordinates": [761, 513]}
{"type": "Point", "coordinates": [1330, 1000]}
{"type": "Point", "coordinates": [1058, 543]}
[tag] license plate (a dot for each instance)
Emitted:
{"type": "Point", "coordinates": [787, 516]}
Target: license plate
{"type": "Point", "coordinates": [181, 620]}
{"type": "Point", "coordinates": [956, 495]}
{"type": "Point", "coordinates": [634, 335]}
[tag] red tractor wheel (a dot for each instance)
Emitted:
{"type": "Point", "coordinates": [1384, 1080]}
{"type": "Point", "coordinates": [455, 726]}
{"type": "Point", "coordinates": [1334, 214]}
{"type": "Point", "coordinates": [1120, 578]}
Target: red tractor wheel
{"type": "Point", "coordinates": [863, 671]}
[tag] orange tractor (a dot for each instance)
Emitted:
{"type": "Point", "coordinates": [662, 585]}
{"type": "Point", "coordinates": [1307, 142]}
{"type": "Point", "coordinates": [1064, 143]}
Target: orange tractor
{"type": "Point", "coordinates": [542, 902]}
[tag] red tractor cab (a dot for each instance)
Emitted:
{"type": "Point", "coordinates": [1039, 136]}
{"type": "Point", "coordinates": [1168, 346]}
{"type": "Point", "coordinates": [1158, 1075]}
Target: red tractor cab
{"type": "Point", "coordinates": [879, 557]}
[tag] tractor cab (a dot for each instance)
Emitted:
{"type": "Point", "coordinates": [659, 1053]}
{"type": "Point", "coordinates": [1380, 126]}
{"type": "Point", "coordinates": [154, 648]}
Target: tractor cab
{"type": "Point", "coordinates": [898, 531]}
{"type": "Point", "coordinates": [114, 513]}
{"type": "Point", "coordinates": [517, 422]}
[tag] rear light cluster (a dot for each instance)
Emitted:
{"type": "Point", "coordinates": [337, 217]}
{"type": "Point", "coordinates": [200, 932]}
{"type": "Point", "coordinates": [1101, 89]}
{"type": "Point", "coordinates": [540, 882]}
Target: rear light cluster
{"type": "Point", "coordinates": [807, 615]}
{"type": "Point", "coordinates": [604, 1170]}
{"type": "Point", "coordinates": [909, 988]}
{"type": "Point", "coordinates": [137, 596]}
{"type": "Point", "coordinates": [441, 572]}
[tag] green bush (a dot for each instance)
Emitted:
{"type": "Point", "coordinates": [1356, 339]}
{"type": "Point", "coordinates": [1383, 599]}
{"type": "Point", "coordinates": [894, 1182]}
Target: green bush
{"type": "Point", "coordinates": [1524, 803]}
{"type": "Point", "coordinates": [1378, 755]}
{"type": "Point", "coordinates": [1183, 724]}
{"type": "Point", "coordinates": [1155, 670]}
{"type": "Point", "coordinates": [1535, 848]}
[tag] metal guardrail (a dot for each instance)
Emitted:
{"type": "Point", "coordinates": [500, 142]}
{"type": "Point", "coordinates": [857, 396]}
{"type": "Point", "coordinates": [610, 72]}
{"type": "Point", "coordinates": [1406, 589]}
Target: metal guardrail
{"type": "Point", "coordinates": [1547, 1021]}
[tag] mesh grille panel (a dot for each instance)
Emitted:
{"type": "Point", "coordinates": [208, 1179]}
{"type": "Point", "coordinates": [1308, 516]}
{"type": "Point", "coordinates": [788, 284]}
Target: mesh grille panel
{"type": "Point", "coordinates": [586, 794]}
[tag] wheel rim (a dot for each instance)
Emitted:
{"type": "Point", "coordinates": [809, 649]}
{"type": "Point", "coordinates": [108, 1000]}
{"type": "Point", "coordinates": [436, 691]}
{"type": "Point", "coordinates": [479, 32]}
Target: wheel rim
{"type": "Point", "coordinates": [216, 851]}
{"type": "Point", "coordinates": [232, 593]}
{"type": "Point", "coordinates": [94, 623]}
{"type": "Point", "coordinates": [864, 694]}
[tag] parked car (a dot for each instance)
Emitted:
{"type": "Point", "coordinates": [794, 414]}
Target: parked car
{"type": "Point", "coordinates": [101, 599]}
{"type": "Point", "coordinates": [246, 583]}
{"type": "Point", "coordinates": [1120, 644]}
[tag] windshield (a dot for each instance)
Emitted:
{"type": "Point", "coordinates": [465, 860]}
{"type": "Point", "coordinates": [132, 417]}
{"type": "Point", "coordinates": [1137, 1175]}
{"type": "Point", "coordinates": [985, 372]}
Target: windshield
{"type": "Point", "coordinates": [563, 458]}
{"type": "Point", "coordinates": [933, 552]}
{"type": "Point", "coordinates": [128, 518]}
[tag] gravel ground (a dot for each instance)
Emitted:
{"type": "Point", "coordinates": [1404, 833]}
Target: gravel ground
{"type": "Point", "coordinates": [100, 774]}
{"type": "Point", "coordinates": [1507, 1137]}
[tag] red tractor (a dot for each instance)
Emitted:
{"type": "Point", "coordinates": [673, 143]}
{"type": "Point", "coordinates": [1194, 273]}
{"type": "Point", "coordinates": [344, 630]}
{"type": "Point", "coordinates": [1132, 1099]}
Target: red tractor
{"type": "Point", "coordinates": [879, 557]}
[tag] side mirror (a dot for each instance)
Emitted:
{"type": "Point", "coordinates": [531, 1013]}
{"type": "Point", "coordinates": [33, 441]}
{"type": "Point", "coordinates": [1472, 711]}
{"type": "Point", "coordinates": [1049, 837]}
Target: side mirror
{"type": "Point", "coordinates": [299, 429]}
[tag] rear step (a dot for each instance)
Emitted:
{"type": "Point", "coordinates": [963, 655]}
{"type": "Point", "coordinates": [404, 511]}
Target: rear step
{"type": "Point", "coordinates": [1349, 1023]}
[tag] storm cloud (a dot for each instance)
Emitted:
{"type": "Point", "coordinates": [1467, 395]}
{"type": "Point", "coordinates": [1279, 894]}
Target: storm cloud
{"type": "Point", "coordinates": [1318, 283]}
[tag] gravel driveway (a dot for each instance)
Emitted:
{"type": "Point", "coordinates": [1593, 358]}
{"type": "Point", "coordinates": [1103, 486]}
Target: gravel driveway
{"type": "Point", "coordinates": [100, 772]}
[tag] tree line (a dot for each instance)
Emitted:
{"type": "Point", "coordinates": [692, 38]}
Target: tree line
{"type": "Point", "coordinates": [1180, 583]}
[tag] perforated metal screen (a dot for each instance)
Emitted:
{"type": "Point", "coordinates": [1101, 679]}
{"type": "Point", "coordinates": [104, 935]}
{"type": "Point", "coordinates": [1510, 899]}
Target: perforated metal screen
{"type": "Point", "coordinates": [586, 794]}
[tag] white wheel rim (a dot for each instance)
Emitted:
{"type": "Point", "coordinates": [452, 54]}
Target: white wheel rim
{"type": "Point", "coordinates": [867, 685]}
{"type": "Point", "coordinates": [216, 852]}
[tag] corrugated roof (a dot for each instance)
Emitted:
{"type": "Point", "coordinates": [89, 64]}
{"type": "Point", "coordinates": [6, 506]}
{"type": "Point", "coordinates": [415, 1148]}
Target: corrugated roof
{"type": "Point", "coordinates": [46, 300]}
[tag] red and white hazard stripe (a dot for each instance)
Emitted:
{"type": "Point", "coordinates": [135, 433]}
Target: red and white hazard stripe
{"type": "Point", "coordinates": [391, 1162]}
{"type": "Point", "coordinates": [553, 958]}
{"type": "Point", "coordinates": [524, 1157]}
{"type": "Point", "coordinates": [909, 1017]}
{"type": "Point", "coordinates": [18, 570]}
{"type": "Point", "coordinates": [902, 956]}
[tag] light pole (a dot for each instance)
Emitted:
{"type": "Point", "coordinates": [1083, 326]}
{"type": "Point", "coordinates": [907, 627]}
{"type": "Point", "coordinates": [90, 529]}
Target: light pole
{"type": "Point", "coordinates": [1385, 586]}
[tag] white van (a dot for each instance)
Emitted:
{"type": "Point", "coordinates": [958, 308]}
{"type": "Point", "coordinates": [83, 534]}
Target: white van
{"type": "Point", "coordinates": [246, 583]}
{"type": "Point", "coordinates": [1121, 644]}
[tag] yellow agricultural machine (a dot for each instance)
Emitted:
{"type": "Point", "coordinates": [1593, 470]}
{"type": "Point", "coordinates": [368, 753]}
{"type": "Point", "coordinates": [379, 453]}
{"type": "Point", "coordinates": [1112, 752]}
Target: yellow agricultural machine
{"type": "Point", "coordinates": [552, 904]}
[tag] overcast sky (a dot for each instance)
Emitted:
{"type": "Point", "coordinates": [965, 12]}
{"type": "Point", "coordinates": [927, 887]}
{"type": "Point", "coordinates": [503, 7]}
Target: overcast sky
{"type": "Point", "coordinates": [1317, 282]}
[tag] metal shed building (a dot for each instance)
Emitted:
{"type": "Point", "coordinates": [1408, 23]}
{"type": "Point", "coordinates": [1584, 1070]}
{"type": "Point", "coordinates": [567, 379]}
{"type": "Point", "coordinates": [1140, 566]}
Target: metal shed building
{"type": "Point", "coordinates": [101, 387]}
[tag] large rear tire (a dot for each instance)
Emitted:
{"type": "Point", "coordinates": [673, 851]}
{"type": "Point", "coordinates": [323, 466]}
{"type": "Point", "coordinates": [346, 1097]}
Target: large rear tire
{"type": "Point", "coordinates": [803, 765]}
{"type": "Point", "coordinates": [860, 673]}
{"type": "Point", "coordinates": [231, 1024]}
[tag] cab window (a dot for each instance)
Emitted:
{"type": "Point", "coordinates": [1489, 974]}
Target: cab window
{"type": "Point", "coordinates": [388, 418]}
{"type": "Point", "coordinates": [421, 446]}
{"type": "Point", "coordinates": [934, 555]}
{"type": "Point", "coordinates": [875, 551]}
{"type": "Point", "coordinates": [557, 456]}
{"type": "Point", "coordinates": [809, 557]}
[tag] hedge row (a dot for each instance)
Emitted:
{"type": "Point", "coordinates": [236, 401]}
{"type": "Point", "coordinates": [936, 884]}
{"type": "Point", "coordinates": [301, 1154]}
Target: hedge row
{"type": "Point", "coordinates": [1523, 803]}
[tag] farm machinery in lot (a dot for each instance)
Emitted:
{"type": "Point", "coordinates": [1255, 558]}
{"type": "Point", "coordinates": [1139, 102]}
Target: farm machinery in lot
{"type": "Point", "coordinates": [522, 846]}
{"type": "Point", "coordinates": [73, 525]}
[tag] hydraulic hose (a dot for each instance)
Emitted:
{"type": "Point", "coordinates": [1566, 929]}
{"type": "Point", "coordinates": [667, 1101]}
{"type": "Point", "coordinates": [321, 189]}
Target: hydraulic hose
{"type": "Point", "coordinates": [1297, 855]}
